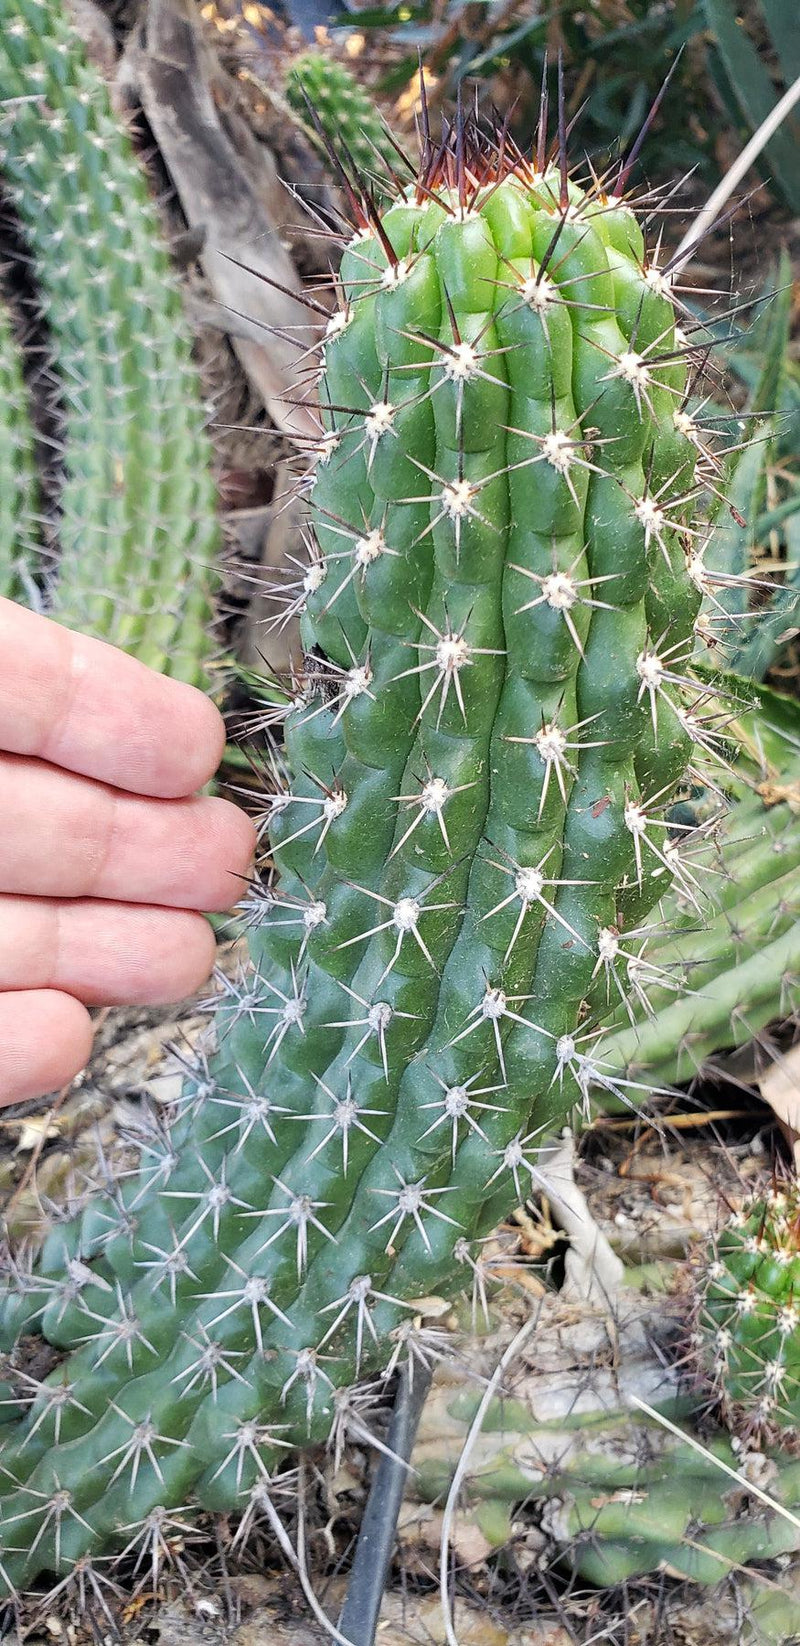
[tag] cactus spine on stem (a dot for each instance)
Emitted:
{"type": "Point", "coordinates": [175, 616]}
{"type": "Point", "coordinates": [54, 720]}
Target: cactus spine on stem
{"type": "Point", "coordinates": [502, 583]}
{"type": "Point", "coordinates": [138, 528]}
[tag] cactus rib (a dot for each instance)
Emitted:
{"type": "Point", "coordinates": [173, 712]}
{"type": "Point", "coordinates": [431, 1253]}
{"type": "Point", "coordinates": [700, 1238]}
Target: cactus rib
{"type": "Point", "coordinates": [138, 529]}
{"type": "Point", "coordinates": [479, 754]}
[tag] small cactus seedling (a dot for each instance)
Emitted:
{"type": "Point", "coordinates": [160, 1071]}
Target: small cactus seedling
{"type": "Point", "coordinates": [494, 713]}
{"type": "Point", "coordinates": [748, 1315]}
{"type": "Point", "coordinates": [138, 529]}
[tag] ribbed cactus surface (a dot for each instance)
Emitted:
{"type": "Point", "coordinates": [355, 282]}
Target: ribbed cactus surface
{"type": "Point", "coordinates": [748, 1314]}
{"type": "Point", "coordinates": [138, 529]}
{"type": "Point", "coordinates": [491, 720]}
{"type": "Point", "coordinates": [715, 970]}
{"type": "Point", "coordinates": [621, 1496]}
{"type": "Point", "coordinates": [18, 501]}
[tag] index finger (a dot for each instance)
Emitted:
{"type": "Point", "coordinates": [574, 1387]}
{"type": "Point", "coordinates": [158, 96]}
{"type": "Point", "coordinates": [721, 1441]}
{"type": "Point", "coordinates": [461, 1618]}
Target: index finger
{"type": "Point", "coordinates": [81, 704]}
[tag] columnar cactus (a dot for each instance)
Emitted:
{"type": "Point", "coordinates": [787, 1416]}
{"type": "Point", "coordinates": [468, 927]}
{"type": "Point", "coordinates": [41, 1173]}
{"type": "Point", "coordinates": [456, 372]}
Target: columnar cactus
{"type": "Point", "coordinates": [748, 1315]}
{"type": "Point", "coordinates": [698, 987]}
{"type": "Point", "coordinates": [18, 503]}
{"type": "Point", "coordinates": [493, 715]}
{"type": "Point", "coordinates": [138, 529]}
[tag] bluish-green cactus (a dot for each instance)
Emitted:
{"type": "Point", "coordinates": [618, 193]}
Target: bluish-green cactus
{"type": "Point", "coordinates": [613, 1492]}
{"type": "Point", "coordinates": [138, 528]}
{"type": "Point", "coordinates": [493, 716]}
{"type": "Point", "coordinates": [713, 970]}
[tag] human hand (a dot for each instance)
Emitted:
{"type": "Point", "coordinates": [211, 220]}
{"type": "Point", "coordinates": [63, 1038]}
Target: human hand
{"type": "Point", "coordinates": [105, 849]}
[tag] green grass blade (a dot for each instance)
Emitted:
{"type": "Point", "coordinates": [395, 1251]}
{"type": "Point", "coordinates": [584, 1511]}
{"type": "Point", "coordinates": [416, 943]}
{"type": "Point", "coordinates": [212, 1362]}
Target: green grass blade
{"type": "Point", "coordinates": [783, 21]}
{"type": "Point", "coordinates": [752, 87]}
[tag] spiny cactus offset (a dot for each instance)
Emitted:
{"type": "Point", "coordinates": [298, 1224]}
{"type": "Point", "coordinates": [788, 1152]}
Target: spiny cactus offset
{"type": "Point", "coordinates": [324, 93]}
{"type": "Point", "coordinates": [18, 502]}
{"type": "Point", "coordinates": [748, 1315]}
{"type": "Point", "coordinates": [494, 714]}
{"type": "Point", "coordinates": [699, 986]}
{"type": "Point", "coordinates": [138, 529]}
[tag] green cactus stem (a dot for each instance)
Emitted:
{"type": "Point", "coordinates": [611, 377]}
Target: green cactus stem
{"type": "Point", "coordinates": [478, 755]}
{"type": "Point", "coordinates": [748, 1315]}
{"type": "Point", "coordinates": [138, 529]}
{"type": "Point", "coordinates": [18, 492]}
{"type": "Point", "coordinates": [714, 971]}
{"type": "Point", "coordinates": [618, 1493]}
{"type": "Point", "coordinates": [339, 113]}
{"type": "Point", "coordinates": [621, 1497]}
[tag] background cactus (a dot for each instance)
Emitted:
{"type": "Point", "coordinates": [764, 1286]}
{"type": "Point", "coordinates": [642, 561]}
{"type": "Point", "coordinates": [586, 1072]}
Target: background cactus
{"type": "Point", "coordinates": [492, 720]}
{"type": "Point", "coordinates": [762, 532]}
{"type": "Point", "coordinates": [566, 1456]}
{"type": "Point", "coordinates": [339, 112]}
{"type": "Point", "coordinates": [710, 980]}
{"type": "Point", "coordinates": [625, 1497]}
{"type": "Point", "coordinates": [748, 1316]}
{"type": "Point", "coordinates": [18, 498]}
{"type": "Point", "coordinates": [137, 524]}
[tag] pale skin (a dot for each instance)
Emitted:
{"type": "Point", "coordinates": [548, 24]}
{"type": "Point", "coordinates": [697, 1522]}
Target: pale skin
{"type": "Point", "coordinates": [107, 852]}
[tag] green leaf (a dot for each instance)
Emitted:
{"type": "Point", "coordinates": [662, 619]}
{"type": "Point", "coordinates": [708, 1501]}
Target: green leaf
{"type": "Point", "coordinates": [774, 327]}
{"type": "Point", "coordinates": [751, 85]}
{"type": "Point", "coordinates": [770, 729]}
{"type": "Point", "coordinates": [792, 535]}
{"type": "Point", "coordinates": [781, 18]}
{"type": "Point", "coordinates": [770, 630]}
{"type": "Point", "coordinates": [507, 44]}
{"type": "Point", "coordinates": [730, 545]}
{"type": "Point", "coordinates": [747, 367]}
{"type": "Point", "coordinates": [771, 519]}
{"type": "Point", "coordinates": [761, 360]}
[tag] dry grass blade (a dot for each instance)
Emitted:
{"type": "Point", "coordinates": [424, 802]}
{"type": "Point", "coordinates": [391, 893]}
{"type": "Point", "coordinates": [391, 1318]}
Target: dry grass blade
{"type": "Point", "coordinates": [749, 1486]}
{"type": "Point", "coordinates": [706, 219]}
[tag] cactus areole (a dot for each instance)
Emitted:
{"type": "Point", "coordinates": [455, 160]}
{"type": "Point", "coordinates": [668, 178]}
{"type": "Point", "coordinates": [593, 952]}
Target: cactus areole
{"type": "Point", "coordinates": [502, 580]}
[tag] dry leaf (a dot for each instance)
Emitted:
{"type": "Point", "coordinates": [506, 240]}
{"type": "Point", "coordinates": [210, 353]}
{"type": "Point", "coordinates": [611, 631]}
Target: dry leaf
{"type": "Point", "coordinates": [780, 1088]}
{"type": "Point", "coordinates": [245, 262]}
{"type": "Point", "coordinates": [33, 1129]}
